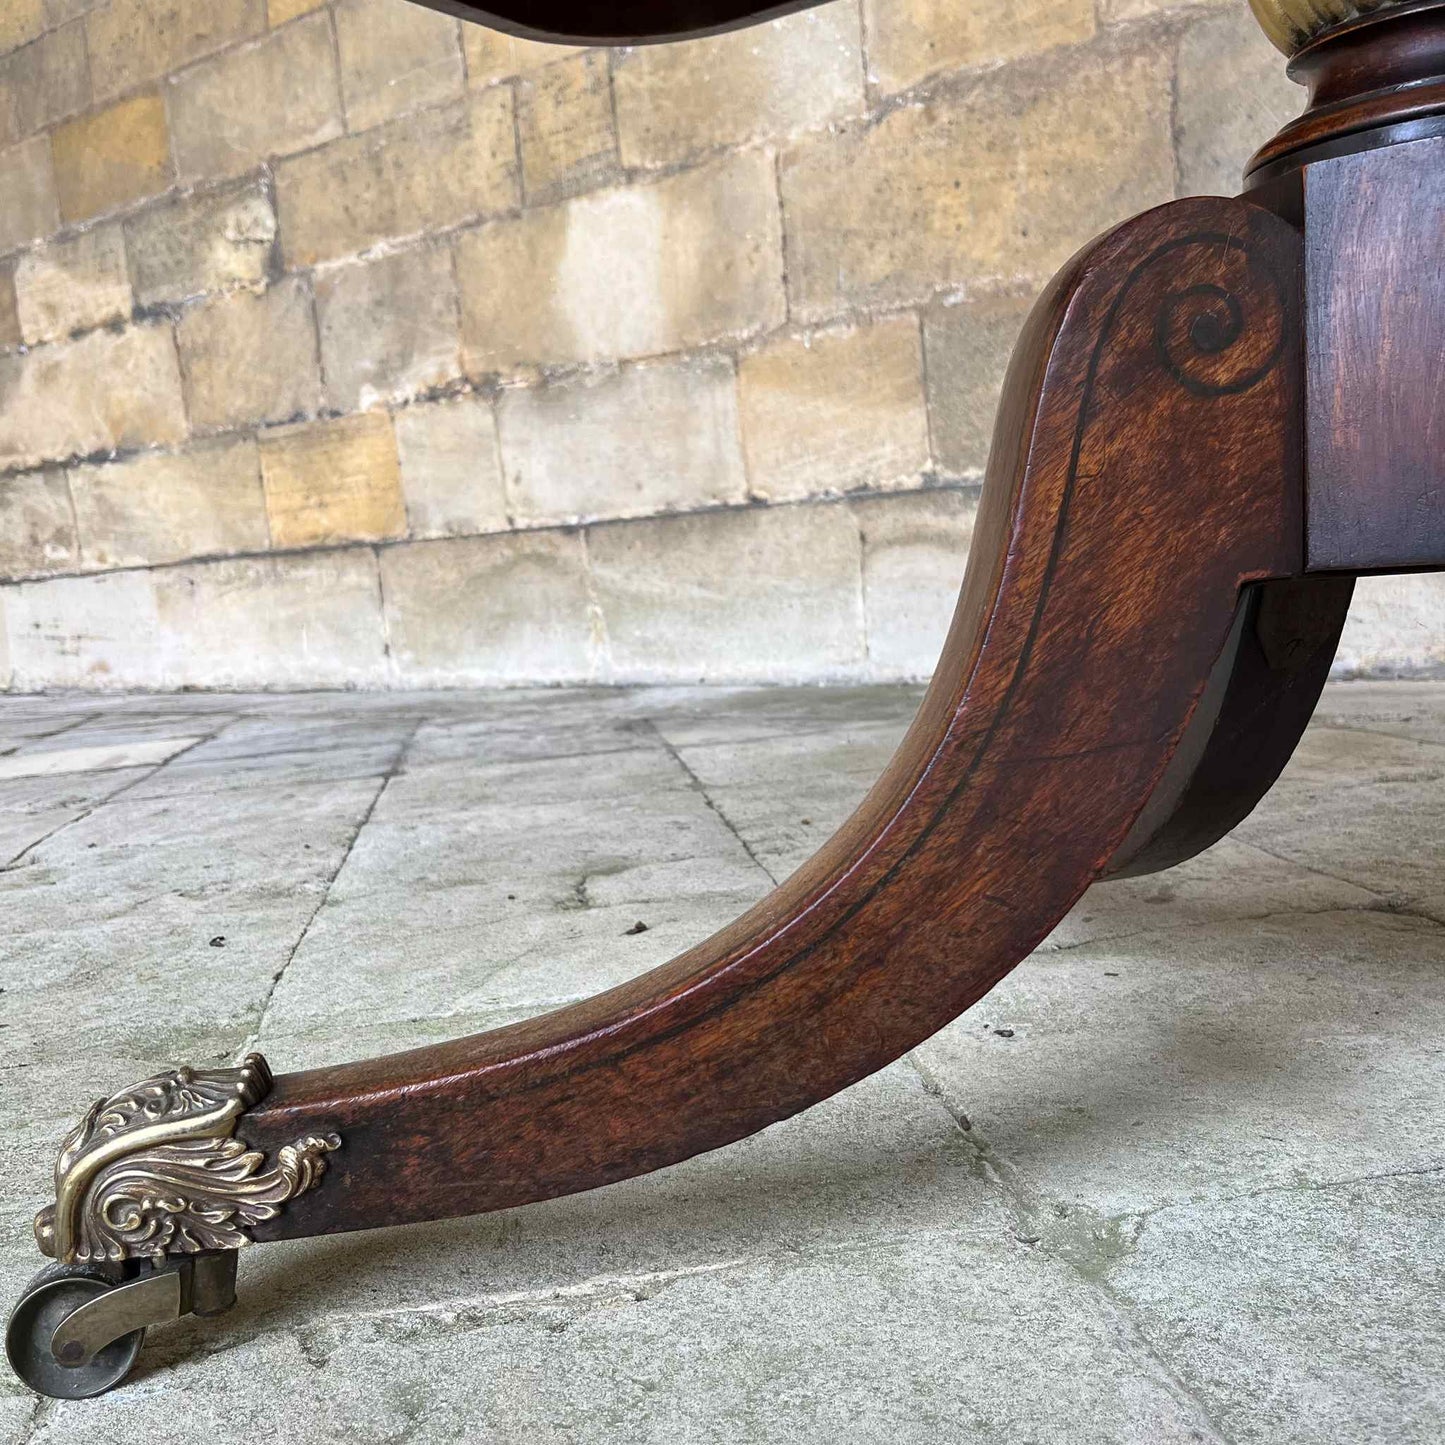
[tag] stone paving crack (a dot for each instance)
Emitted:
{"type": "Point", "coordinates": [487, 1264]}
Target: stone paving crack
{"type": "Point", "coordinates": [1082, 1241]}
{"type": "Point", "coordinates": [597, 1290]}
{"type": "Point", "coordinates": [1209, 1428]}
{"type": "Point", "coordinates": [53, 733]}
{"type": "Point", "coordinates": [392, 769]}
{"type": "Point", "coordinates": [1401, 904]}
{"type": "Point", "coordinates": [109, 798]}
{"type": "Point", "coordinates": [1307, 1186]}
{"type": "Point", "coordinates": [696, 783]}
{"type": "Point", "coordinates": [603, 1291]}
{"type": "Point", "coordinates": [39, 1417]}
{"type": "Point", "coordinates": [1194, 925]}
{"type": "Point", "coordinates": [1334, 727]}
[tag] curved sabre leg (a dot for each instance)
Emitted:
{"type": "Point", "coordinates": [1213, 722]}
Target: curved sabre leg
{"type": "Point", "coordinates": [1144, 472]}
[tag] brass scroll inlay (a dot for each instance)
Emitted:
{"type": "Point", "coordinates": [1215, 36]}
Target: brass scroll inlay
{"type": "Point", "coordinates": [155, 1170]}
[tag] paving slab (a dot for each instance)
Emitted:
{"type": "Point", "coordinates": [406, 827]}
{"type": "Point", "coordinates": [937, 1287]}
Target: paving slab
{"type": "Point", "coordinates": [1365, 806]}
{"type": "Point", "coordinates": [488, 886]}
{"type": "Point", "coordinates": [917, 1340]}
{"type": "Point", "coordinates": [1167, 1067]}
{"type": "Point", "coordinates": [32, 808]}
{"type": "Point", "coordinates": [786, 794]}
{"type": "Point", "coordinates": [1301, 1317]}
{"type": "Point", "coordinates": [1231, 881]}
{"type": "Point", "coordinates": [151, 929]}
{"type": "Point", "coordinates": [17, 1417]}
{"type": "Point", "coordinates": [1406, 708]}
{"type": "Point", "coordinates": [21, 726]}
{"type": "Point", "coordinates": [1177, 1178]}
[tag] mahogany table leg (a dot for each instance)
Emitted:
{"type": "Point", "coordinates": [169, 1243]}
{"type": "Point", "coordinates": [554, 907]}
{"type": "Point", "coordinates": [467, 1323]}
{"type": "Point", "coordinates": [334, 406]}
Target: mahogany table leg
{"type": "Point", "coordinates": [1144, 471]}
{"type": "Point", "coordinates": [1143, 630]}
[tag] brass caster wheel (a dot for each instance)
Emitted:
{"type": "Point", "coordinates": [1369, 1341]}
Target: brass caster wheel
{"type": "Point", "coordinates": [78, 1329]}
{"type": "Point", "coordinates": [53, 1297]}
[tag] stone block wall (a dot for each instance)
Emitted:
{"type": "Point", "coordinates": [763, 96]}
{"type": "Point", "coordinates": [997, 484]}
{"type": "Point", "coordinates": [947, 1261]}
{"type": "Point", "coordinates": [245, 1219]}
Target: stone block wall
{"type": "Point", "coordinates": [342, 344]}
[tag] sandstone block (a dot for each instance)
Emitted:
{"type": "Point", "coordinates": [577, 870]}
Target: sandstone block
{"type": "Point", "coordinates": [759, 594]}
{"type": "Point", "coordinates": [308, 621]}
{"type": "Point", "coordinates": [968, 345]}
{"type": "Point", "coordinates": [915, 547]}
{"type": "Point", "coordinates": [250, 358]}
{"type": "Point", "coordinates": [60, 12]}
{"type": "Point", "coordinates": [909, 40]}
{"type": "Point", "coordinates": [43, 83]}
{"type": "Point", "coordinates": [200, 243]}
{"type": "Point", "coordinates": [492, 56]}
{"type": "Point", "coordinates": [20, 20]}
{"type": "Point", "coordinates": [1233, 96]}
{"type": "Point", "coordinates": [112, 157]}
{"type": "Point", "coordinates": [799, 73]}
{"type": "Point", "coordinates": [294, 621]}
{"type": "Point", "coordinates": [451, 469]}
{"type": "Point", "coordinates": [106, 391]}
{"type": "Point", "coordinates": [626, 272]}
{"type": "Point", "coordinates": [1006, 181]}
{"type": "Point", "coordinates": [1396, 626]}
{"type": "Point", "coordinates": [834, 411]}
{"type": "Point", "coordinates": [133, 42]}
{"type": "Point", "coordinates": [167, 506]}
{"type": "Point", "coordinates": [646, 439]}
{"type": "Point", "coordinates": [428, 172]}
{"type": "Point", "coordinates": [564, 119]}
{"type": "Point", "coordinates": [488, 611]}
{"type": "Point", "coordinates": [10, 334]}
{"type": "Point", "coordinates": [88, 632]}
{"type": "Point", "coordinates": [278, 95]}
{"type": "Point", "coordinates": [333, 481]}
{"type": "Point", "coordinates": [37, 529]}
{"type": "Point", "coordinates": [73, 285]}
{"type": "Point", "coordinates": [27, 181]}
{"type": "Point", "coordinates": [395, 58]}
{"type": "Point", "coordinates": [388, 328]}
{"type": "Point", "coordinates": [278, 12]}
{"type": "Point", "coordinates": [1112, 11]}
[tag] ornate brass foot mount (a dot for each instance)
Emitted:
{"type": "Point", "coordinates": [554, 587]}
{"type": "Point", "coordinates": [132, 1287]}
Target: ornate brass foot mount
{"type": "Point", "coordinates": [154, 1195]}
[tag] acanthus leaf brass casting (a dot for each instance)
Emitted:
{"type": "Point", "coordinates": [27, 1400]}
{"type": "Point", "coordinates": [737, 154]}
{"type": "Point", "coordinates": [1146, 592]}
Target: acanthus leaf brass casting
{"type": "Point", "coordinates": [155, 1170]}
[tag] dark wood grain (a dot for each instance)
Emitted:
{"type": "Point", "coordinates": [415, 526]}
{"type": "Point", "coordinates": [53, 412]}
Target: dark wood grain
{"type": "Point", "coordinates": [1263, 689]}
{"type": "Point", "coordinates": [1380, 72]}
{"type": "Point", "coordinates": [1143, 472]}
{"type": "Point", "coordinates": [1375, 315]}
{"type": "Point", "coordinates": [1373, 85]}
{"type": "Point", "coordinates": [1254, 711]}
{"type": "Point", "coordinates": [618, 22]}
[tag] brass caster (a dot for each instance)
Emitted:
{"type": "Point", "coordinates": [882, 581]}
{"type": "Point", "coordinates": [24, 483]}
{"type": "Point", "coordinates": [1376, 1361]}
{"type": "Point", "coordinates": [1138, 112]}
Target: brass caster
{"type": "Point", "coordinates": [78, 1329]}
{"type": "Point", "coordinates": [154, 1195]}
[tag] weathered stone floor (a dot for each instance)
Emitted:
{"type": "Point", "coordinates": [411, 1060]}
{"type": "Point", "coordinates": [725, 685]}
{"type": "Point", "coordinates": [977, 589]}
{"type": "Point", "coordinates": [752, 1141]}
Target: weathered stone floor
{"type": "Point", "coordinates": [1197, 1192]}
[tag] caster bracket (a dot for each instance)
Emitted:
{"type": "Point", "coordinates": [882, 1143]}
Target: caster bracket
{"type": "Point", "coordinates": [202, 1284]}
{"type": "Point", "coordinates": [82, 1334]}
